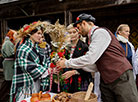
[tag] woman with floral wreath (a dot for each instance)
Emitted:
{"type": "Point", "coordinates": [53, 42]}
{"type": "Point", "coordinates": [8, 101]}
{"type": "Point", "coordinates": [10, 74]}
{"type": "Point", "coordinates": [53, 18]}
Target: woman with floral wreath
{"type": "Point", "coordinates": [30, 64]}
{"type": "Point", "coordinates": [76, 79]}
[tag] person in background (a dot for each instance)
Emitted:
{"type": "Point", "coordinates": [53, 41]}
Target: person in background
{"type": "Point", "coordinates": [1, 58]}
{"type": "Point", "coordinates": [122, 35]}
{"type": "Point", "coordinates": [76, 79]}
{"type": "Point", "coordinates": [30, 64]}
{"type": "Point", "coordinates": [136, 64]}
{"type": "Point", "coordinates": [8, 54]}
{"type": "Point", "coordinates": [117, 82]}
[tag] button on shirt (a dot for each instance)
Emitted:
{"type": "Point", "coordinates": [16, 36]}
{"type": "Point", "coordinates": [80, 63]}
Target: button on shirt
{"type": "Point", "coordinates": [100, 40]}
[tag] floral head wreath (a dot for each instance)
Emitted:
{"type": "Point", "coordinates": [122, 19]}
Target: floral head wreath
{"type": "Point", "coordinates": [26, 29]}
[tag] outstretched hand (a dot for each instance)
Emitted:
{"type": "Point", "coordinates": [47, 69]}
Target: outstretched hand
{"type": "Point", "coordinates": [61, 63]}
{"type": "Point", "coordinates": [68, 74]}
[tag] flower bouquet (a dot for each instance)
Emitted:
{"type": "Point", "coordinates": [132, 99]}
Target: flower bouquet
{"type": "Point", "coordinates": [60, 39]}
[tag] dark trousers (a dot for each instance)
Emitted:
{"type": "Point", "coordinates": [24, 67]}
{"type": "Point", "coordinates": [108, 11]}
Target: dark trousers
{"type": "Point", "coordinates": [5, 91]}
{"type": "Point", "coordinates": [121, 90]}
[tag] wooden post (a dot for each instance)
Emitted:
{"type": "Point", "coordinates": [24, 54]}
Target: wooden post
{"type": "Point", "coordinates": [67, 17]}
{"type": "Point", "coordinates": [3, 28]}
{"type": "Point", "coordinates": [70, 17]}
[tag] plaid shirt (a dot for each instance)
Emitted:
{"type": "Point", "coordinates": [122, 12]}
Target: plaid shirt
{"type": "Point", "coordinates": [30, 63]}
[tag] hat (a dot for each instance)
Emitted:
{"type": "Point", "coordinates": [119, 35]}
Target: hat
{"type": "Point", "coordinates": [84, 16]}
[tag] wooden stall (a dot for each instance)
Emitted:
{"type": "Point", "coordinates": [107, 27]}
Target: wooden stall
{"type": "Point", "coordinates": [108, 13]}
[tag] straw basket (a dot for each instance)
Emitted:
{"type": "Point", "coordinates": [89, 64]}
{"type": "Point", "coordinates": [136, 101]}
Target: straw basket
{"type": "Point", "coordinates": [79, 97]}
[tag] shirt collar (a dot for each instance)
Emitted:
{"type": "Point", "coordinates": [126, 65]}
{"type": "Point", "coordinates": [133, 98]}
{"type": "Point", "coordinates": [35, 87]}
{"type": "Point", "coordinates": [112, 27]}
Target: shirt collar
{"type": "Point", "coordinates": [90, 34]}
{"type": "Point", "coordinates": [122, 39]}
{"type": "Point", "coordinates": [93, 28]}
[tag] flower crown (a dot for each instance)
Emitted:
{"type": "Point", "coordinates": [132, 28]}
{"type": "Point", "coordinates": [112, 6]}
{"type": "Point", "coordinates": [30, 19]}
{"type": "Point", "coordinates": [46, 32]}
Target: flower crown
{"type": "Point", "coordinates": [26, 29]}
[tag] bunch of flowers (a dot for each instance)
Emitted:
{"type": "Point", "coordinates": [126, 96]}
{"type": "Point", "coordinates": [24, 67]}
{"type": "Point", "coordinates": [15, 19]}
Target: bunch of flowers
{"type": "Point", "coordinates": [55, 56]}
{"type": "Point", "coordinates": [58, 34]}
{"type": "Point", "coordinates": [59, 37]}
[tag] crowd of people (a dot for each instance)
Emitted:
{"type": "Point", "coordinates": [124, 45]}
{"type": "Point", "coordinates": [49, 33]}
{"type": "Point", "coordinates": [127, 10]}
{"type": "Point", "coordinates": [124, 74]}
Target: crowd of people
{"type": "Point", "coordinates": [108, 60]}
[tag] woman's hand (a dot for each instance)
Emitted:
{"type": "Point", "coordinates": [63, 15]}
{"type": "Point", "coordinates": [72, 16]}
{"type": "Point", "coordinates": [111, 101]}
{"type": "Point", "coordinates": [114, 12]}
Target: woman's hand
{"type": "Point", "coordinates": [55, 70]}
{"type": "Point", "coordinates": [68, 74]}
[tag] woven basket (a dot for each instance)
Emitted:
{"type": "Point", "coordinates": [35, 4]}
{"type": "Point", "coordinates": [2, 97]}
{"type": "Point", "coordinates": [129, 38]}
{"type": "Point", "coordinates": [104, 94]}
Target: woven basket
{"type": "Point", "coordinates": [79, 97]}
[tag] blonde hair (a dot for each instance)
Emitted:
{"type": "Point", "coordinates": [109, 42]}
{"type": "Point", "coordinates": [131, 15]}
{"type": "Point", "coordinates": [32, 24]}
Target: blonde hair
{"type": "Point", "coordinates": [72, 27]}
{"type": "Point", "coordinates": [120, 27]}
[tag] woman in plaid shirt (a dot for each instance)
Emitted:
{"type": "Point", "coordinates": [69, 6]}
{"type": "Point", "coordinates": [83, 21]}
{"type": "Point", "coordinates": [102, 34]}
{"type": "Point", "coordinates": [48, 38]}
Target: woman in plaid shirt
{"type": "Point", "coordinates": [30, 64]}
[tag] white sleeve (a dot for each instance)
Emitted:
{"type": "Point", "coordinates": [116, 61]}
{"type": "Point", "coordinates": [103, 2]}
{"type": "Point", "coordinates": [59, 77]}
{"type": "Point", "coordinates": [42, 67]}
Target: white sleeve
{"type": "Point", "coordinates": [91, 68]}
{"type": "Point", "coordinates": [136, 62]}
{"type": "Point", "coordinates": [133, 59]}
{"type": "Point", "coordinates": [99, 42]}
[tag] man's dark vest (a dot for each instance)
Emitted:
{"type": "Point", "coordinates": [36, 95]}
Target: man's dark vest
{"type": "Point", "coordinates": [113, 61]}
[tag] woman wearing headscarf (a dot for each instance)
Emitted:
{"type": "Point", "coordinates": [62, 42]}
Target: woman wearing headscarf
{"type": "Point", "coordinates": [30, 63]}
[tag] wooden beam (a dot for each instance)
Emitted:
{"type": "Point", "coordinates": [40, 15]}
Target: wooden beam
{"type": "Point", "coordinates": [24, 11]}
{"type": "Point", "coordinates": [3, 28]}
{"type": "Point", "coordinates": [70, 17]}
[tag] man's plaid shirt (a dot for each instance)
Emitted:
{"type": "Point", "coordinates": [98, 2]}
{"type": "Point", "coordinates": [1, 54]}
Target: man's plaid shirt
{"type": "Point", "coordinates": [30, 63]}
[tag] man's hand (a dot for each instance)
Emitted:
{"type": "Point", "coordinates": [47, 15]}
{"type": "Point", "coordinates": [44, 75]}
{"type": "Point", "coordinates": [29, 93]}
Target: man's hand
{"type": "Point", "coordinates": [61, 63]}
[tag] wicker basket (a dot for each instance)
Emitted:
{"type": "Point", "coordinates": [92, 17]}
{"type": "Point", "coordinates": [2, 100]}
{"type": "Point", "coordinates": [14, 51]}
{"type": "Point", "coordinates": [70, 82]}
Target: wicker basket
{"type": "Point", "coordinates": [79, 97]}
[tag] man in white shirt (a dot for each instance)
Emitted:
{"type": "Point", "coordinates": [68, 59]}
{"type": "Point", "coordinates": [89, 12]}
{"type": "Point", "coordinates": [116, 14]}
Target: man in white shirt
{"type": "Point", "coordinates": [106, 52]}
